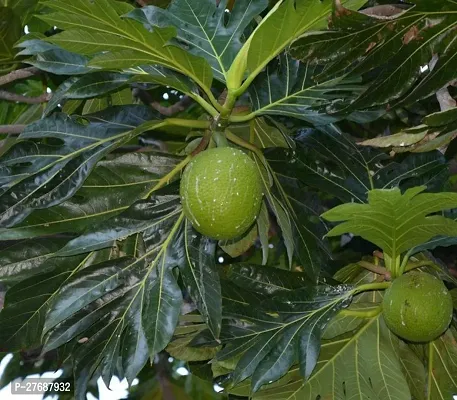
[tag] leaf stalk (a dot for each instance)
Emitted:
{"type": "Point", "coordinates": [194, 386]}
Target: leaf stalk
{"type": "Point", "coordinates": [362, 314]}
{"type": "Point", "coordinates": [370, 286]}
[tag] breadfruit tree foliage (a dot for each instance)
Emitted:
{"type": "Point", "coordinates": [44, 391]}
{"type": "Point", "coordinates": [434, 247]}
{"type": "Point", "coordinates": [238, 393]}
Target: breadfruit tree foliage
{"type": "Point", "coordinates": [348, 110]}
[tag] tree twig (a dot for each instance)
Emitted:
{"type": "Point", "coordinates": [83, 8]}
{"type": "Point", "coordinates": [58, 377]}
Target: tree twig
{"type": "Point", "coordinates": [4, 95]}
{"type": "Point", "coordinates": [179, 106]}
{"type": "Point", "coordinates": [375, 269]}
{"type": "Point", "coordinates": [445, 99]}
{"type": "Point", "coordinates": [146, 98]}
{"type": "Point", "coordinates": [12, 129]}
{"type": "Point", "coordinates": [18, 74]}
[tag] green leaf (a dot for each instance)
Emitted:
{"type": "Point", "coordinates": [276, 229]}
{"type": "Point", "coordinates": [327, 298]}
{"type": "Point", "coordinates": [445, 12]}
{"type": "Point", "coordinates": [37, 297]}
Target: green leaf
{"type": "Point", "coordinates": [59, 95]}
{"type": "Point", "coordinates": [22, 260]}
{"type": "Point", "coordinates": [287, 20]}
{"type": "Point", "coordinates": [396, 222]}
{"type": "Point", "coordinates": [10, 32]}
{"type": "Point", "coordinates": [263, 133]}
{"type": "Point", "coordinates": [162, 76]}
{"type": "Point", "coordinates": [441, 118]}
{"type": "Point", "coordinates": [442, 372]}
{"type": "Point", "coordinates": [311, 248]}
{"type": "Point", "coordinates": [180, 349]}
{"type": "Point", "coordinates": [162, 304]}
{"type": "Point", "coordinates": [437, 131]}
{"type": "Point", "coordinates": [95, 84]}
{"type": "Point", "coordinates": [94, 27]}
{"type": "Point", "coordinates": [404, 138]}
{"type": "Point", "coordinates": [158, 211]}
{"type": "Point", "coordinates": [297, 212]}
{"type": "Point", "coordinates": [51, 58]}
{"type": "Point", "coordinates": [22, 319]}
{"type": "Point", "coordinates": [371, 353]}
{"type": "Point", "coordinates": [394, 47]}
{"type": "Point", "coordinates": [103, 83]}
{"type": "Point", "coordinates": [190, 326]}
{"type": "Point", "coordinates": [201, 26]}
{"type": "Point", "coordinates": [287, 88]}
{"type": "Point", "coordinates": [284, 221]}
{"type": "Point", "coordinates": [95, 105]}
{"type": "Point", "coordinates": [264, 280]}
{"type": "Point", "coordinates": [38, 175]}
{"type": "Point", "coordinates": [85, 286]}
{"type": "Point", "coordinates": [200, 276]}
{"type": "Point", "coordinates": [128, 307]}
{"type": "Point", "coordinates": [331, 161]}
{"type": "Point", "coordinates": [263, 228]}
{"type": "Point", "coordinates": [21, 8]}
{"type": "Point", "coordinates": [238, 246]}
{"type": "Point", "coordinates": [368, 301]}
{"type": "Point", "coordinates": [269, 342]}
{"type": "Point", "coordinates": [454, 297]}
{"type": "Point", "coordinates": [413, 370]}
{"type": "Point", "coordinates": [109, 190]}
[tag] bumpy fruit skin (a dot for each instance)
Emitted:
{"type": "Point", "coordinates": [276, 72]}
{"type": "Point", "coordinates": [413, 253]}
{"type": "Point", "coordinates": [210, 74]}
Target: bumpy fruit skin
{"type": "Point", "coordinates": [417, 307]}
{"type": "Point", "coordinates": [221, 192]}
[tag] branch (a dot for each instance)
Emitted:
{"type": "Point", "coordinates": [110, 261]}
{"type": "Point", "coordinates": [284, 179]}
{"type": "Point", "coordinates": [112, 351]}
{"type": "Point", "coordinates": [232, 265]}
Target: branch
{"type": "Point", "coordinates": [18, 74]}
{"type": "Point", "coordinates": [385, 11]}
{"type": "Point", "coordinates": [12, 128]}
{"type": "Point", "coordinates": [4, 95]}
{"type": "Point", "coordinates": [375, 269]}
{"type": "Point", "coordinates": [146, 98]}
{"type": "Point", "coordinates": [445, 99]}
{"type": "Point", "coordinates": [178, 107]}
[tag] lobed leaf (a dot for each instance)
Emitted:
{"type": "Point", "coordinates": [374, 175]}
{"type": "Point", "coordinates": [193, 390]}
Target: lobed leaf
{"type": "Point", "coordinates": [397, 49]}
{"type": "Point", "coordinates": [396, 222]}
{"type": "Point", "coordinates": [287, 88]}
{"type": "Point", "coordinates": [288, 321]}
{"type": "Point", "coordinates": [199, 272]}
{"type": "Point", "coordinates": [287, 20]}
{"type": "Point", "coordinates": [331, 161]}
{"type": "Point", "coordinates": [94, 27]}
{"type": "Point", "coordinates": [54, 156]}
{"type": "Point", "coordinates": [202, 26]}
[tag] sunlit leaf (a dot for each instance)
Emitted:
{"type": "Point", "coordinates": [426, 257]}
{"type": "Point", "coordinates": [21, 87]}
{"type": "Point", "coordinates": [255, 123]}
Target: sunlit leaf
{"type": "Point", "coordinates": [396, 222]}
{"type": "Point", "coordinates": [287, 20]}
{"type": "Point", "coordinates": [287, 88]}
{"type": "Point", "coordinates": [202, 27]}
{"type": "Point", "coordinates": [355, 365]}
{"type": "Point", "coordinates": [94, 27]}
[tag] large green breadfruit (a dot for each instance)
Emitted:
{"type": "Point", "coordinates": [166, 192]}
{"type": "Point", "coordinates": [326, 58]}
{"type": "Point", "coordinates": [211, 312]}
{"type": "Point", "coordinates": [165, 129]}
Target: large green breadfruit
{"type": "Point", "coordinates": [417, 307]}
{"type": "Point", "coordinates": [221, 192]}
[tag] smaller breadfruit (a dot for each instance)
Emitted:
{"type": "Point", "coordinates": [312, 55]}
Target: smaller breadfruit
{"type": "Point", "coordinates": [417, 307]}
